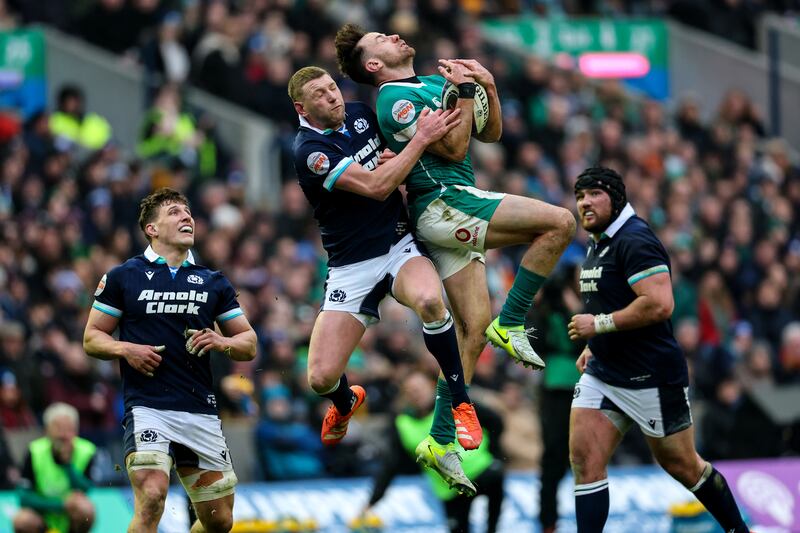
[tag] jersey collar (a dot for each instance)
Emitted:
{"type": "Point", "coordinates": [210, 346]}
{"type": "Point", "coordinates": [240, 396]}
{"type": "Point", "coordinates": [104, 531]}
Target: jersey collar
{"type": "Point", "coordinates": [413, 81]}
{"type": "Point", "coordinates": [153, 257]}
{"type": "Point", "coordinates": [306, 124]}
{"type": "Point", "coordinates": [626, 213]}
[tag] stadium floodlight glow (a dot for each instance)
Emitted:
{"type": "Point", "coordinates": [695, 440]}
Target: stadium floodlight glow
{"type": "Point", "coordinates": [613, 65]}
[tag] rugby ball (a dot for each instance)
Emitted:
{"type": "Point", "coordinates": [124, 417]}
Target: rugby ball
{"type": "Point", "coordinates": [480, 110]}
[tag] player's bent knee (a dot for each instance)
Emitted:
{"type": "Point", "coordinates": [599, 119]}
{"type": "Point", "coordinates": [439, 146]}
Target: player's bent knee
{"type": "Point", "coordinates": [430, 306]}
{"type": "Point", "coordinates": [567, 224]}
{"type": "Point", "coordinates": [321, 382]}
{"type": "Point", "coordinates": [208, 485]}
{"type": "Point", "coordinates": [28, 521]}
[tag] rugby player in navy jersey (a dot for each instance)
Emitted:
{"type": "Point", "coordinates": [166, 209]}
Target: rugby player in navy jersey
{"type": "Point", "coordinates": [165, 307]}
{"type": "Point", "coordinates": [633, 369]}
{"type": "Point", "coordinates": [371, 254]}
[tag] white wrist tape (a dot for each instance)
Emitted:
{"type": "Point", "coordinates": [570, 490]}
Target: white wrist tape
{"type": "Point", "coordinates": [604, 323]}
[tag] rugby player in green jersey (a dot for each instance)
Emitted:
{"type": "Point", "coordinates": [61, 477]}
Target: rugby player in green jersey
{"type": "Point", "coordinates": [456, 221]}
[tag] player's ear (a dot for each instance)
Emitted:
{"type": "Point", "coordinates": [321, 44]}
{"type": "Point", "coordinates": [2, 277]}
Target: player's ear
{"type": "Point", "coordinates": [373, 65]}
{"type": "Point", "coordinates": [151, 230]}
{"type": "Point", "coordinates": [300, 109]}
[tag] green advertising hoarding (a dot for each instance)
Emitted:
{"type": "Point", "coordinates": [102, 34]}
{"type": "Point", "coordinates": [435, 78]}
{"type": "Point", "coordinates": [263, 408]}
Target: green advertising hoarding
{"type": "Point", "coordinates": [23, 86]}
{"type": "Point", "coordinates": [576, 37]}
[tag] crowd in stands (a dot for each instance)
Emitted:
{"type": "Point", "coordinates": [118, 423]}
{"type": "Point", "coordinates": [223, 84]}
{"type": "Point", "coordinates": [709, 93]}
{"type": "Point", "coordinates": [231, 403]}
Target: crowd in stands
{"type": "Point", "coordinates": [721, 193]}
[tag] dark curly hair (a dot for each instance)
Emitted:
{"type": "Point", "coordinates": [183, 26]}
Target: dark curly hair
{"type": "Point", "coordinates": [608, 180]}
{"type": "Point", "coordinates": [349, 55]}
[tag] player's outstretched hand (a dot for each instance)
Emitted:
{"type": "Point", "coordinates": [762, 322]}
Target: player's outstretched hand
{"type": "Point", "coordinates": [581, 327]}
{"type": "Point", "coordinates": [583, 360]}
{"type": "Point", "coordinates": [453, 72]}
{"type": "Point", "coordinates": [478, 72]}
{"type": "Point", "coordinates": [203, 340]}
{"type": "Point", "coordinates": [144, 358]}
{"type": "Point", "coordinates": [385, 156]}
{"type": "Point", "coordinates": [433, 125]}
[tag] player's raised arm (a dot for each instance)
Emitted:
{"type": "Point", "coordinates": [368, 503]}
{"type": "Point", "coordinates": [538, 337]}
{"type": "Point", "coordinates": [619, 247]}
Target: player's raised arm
{"type": "Point", "coordinates": [494, 125]}
{"type": "Point", "coordinates": [98, 343]}
{"type": "Point", "coordinates": [381, 182]}
{"type": "Point", "coordinates": [455, 145]}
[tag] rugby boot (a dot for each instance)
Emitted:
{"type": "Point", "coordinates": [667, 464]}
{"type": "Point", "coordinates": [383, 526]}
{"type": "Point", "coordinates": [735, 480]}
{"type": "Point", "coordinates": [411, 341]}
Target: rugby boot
{"type": "Point", "coordinates": [445, 461]}
{"type": "Point", "coordinates": [514, 340]}
{"type": "Point", "coordinates": [468, 429]}
{"type": "Point", "coordinates": [334, 427]}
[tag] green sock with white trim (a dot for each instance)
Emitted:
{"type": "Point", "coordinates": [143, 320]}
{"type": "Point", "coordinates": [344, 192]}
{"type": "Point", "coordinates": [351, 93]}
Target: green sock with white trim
{"type": "Point", "coordinates": [520, 297]}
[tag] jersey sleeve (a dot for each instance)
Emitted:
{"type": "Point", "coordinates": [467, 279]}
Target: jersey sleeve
{"type": "Point", "coordinates": [227, 304]}
{"type": "Point", "coordinates": [641, 255]}
{"type": "Point", "coordinates": [316, 161]}
{"type": "Point", "coordinates": [398, 111]}
{"type": "Point", "coordinates": [109, 297]}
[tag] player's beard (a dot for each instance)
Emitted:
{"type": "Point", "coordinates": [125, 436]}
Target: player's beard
{"type": "Point", "coordinates": [599, 224]}
{"type": "Point", "coordinates": [404, 58]}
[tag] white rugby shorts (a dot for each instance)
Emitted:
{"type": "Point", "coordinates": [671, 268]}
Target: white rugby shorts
{"type": "Point", "coordinates": [359, 288]}
{"type": "Point", "coordinates": [659, 411]}
{"type": "Point", "coordinates": [191, 439]}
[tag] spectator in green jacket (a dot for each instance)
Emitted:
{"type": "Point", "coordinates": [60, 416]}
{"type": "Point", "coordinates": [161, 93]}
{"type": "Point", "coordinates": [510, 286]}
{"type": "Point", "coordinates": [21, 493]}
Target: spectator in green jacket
{"type": "Point", "coordinates": [483, 466]}
{"type": "Point", "coordinates": [71, 122]}
{"type": "Point", "coordinates": [55, 477]}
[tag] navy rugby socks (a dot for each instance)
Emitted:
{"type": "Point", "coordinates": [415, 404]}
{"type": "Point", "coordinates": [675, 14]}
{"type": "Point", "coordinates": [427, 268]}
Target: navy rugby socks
{"type": "Point", "coordinates": [440, 339]}
{"type": "Point", "coordinates": [591, 506]}
{"type": "Point", "coordinates": [713, 492]}
{"type": "Point", "coordinates": [342, 396]}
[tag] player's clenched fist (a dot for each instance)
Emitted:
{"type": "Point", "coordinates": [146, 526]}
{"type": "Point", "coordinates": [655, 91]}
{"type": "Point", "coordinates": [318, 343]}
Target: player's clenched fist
{"type": "Point", "coordinates": [581, 327]}
{"type": "Point", "coordinates": [144, 358]}
{"type": "Point", "coordinates": [203, 340]}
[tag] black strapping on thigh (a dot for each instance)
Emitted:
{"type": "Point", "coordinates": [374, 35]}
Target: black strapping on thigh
{"type": "Point", "coordinates": [370, 304]}
{"type": "Point", "coordinates": [183, 456]}
{"type": "Point", "coordinates": [674, 409]}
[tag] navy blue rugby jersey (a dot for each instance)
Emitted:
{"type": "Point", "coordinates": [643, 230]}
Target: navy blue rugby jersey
{"type": "Point", "coordinates": [154, 307]}
{"type": "Point", "coordinates": [646, 357]}
{"type": "Point", "coordinates": [354, 228]}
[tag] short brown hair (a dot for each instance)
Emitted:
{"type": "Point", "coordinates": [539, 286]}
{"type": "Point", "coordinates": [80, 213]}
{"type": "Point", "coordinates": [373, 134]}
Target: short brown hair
{"type": "Point", "coordinates": [349, 55]}
{"type": "Point", "coordinates": [300, 78]}
{"type": "Point", "coordinates": [148, 207]}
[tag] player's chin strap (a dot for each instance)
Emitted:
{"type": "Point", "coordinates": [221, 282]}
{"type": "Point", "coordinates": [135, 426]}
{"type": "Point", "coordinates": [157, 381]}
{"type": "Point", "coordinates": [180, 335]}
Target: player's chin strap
{"type": "Point", "coordinates": [201, 489]}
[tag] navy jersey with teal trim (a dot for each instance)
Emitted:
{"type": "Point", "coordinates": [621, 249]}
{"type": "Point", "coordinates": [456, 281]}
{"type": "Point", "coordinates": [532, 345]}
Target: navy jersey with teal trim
{"type": "Point", "coordinates": [156, 309]}
{"type": "Point", "coordinates": [354, 228]}
{"type": "Point", "coordinates": [638, 358]}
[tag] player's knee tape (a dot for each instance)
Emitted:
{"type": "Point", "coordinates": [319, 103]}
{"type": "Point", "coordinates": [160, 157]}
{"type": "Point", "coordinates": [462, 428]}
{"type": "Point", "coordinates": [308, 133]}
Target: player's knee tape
{"type": "Point", "coordinates": [149, 460]}
{"type": "Point", "coordinates": [204, 493]}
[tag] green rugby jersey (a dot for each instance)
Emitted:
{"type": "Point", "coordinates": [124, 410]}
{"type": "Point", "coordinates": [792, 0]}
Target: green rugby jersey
{"type": "Point", "coordinates": [399, 104]}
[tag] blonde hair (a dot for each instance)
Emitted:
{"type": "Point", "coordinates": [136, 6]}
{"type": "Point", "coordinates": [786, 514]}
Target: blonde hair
{"type": "Point", "coordinates": [300, 78]}
{"type": "Point", "coordinates": [58, 410]}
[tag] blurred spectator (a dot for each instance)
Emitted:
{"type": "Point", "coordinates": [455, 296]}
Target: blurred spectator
{"type": "Point", "coordinates": [71, 122]}
{"type": "Point", "coordinates": [55, 477]}
{"type": "Point", "coordinates": [14, 412]}
{"type": "Point", "coordinates": [410, 425]}
{"type": "Point", "coordinates": [288, 448]}
{"type": "Point", "coordinates": [9, 473]}
{"type": "Point", "coordinates": [168, 133]}
{"type": "Point", "coordinates": [559, 302]}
